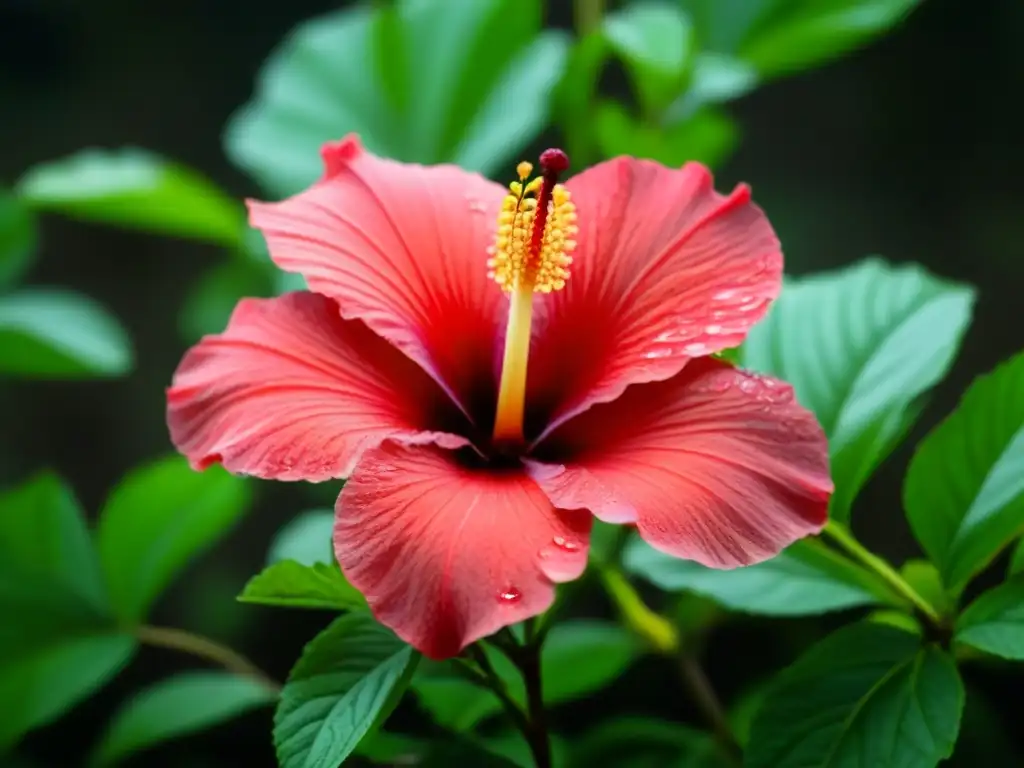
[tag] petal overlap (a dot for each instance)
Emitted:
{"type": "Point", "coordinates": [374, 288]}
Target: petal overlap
{"type": "Point", "coordinates": [447, 553]}
{"type": "Point", "coordinates": [291, 391]}
{"type": "Point", "coordinates": [403, 248]}
{"type": "Point", "coordinates": [665, 270]}
{"type": "Point", "coordinates": [715, 465]}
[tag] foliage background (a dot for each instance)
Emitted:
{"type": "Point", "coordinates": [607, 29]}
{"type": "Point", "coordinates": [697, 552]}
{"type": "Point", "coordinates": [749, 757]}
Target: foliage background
{"type": "Point", "coordinates": [910, 148]}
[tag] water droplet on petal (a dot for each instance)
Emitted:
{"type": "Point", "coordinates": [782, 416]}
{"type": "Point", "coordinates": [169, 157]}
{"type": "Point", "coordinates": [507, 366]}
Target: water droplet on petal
{"type": "Point", "coordinates": [713, 330]}
{"type": "Point", "coordinates": [563, 543]}
{"type": "Point", "coordinates": [510, 596]}
{"type": "Point", "coordinates": [660, 352]}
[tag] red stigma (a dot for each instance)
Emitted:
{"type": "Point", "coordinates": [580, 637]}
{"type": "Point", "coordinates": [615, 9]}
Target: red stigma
{"type": "Point", "coordinates": [553, 161]}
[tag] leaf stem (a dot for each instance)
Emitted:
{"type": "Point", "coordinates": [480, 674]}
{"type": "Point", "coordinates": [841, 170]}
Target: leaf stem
{"type": "Point", "coordinates": [845, 539]}
{"type": "Point", "coordinates": [487, 678]}
{"type": "Point", "coordinates": [664, 638]}
{"type": "Point", "coordinates": [710, 706]}
{"type": "Point", "coordinates": [205, 648]}
{"type": "Point", "coordinates": [529, 666]}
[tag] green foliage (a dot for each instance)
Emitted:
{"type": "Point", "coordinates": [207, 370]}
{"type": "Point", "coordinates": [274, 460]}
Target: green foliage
{"type": "Point", "coordinates": [803, 33]}
{"type": "Point", "coordinates": [137, 189]}
{"type": "Point", "coordinates": [655, 41]}
{"type": "Point", "coordinates": [805, 579]}
{"type": "Point", "coordinates": [645, 743]}
{"type": "Point", "coordinates": [708, 136]}
{"type": "Point", "coordinates": [59, 334]}
{"type": "Point", "coordinates": [347, 681]}
{"type": "Point", "coordinates": [994, 623]}
{"type": "Point", "coordinates": [306, 539]}
{"type": "Point", "coordinates": [289, 584]}
{"type": "Point", "coordinates": [474, 96]}
{"type": "Point", "coordinates": [156, 521]}
{"type": "Point", "coordinates": [213, 298]}
{"type": "Point", "coordinates": [178, 706]}
{"type": "Point", "coordinates": [868, 694]}
{"type": "Point", "coordinates": [17, 239]}
{"type": "Point", "coordinates": [860, 346]}
{"type": "Point", "coordinates": [964, 490]}
{"type": "Point", "coordinates": [578, 658]}
{"type": "Point", "coordinates": [784, 36]}
{"type": "Point", "coordinates": [62, 642]}
{"type": "Point", "coordinates": [38, 686]}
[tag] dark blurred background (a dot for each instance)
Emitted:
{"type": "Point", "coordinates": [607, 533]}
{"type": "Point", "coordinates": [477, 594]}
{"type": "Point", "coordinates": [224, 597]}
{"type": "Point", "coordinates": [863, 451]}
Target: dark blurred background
{"type": "Point", "coordinates": [911, 149]}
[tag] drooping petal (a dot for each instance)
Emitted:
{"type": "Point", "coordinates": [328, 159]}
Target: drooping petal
{"type": "Point", "coordinates": [666, 269]}
{"type": "Point", "coordinates": [291, 391]}
{"type": "Point", "coordinates": [446, 553]}
{"type": "Point", "coordinates": [404, 249]}
{"type": "Point", "coordinates": [715, 465]}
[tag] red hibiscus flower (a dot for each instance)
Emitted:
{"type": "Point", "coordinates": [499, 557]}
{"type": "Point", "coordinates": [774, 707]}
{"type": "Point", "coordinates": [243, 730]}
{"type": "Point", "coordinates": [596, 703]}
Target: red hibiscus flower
{"type": "Point", "coordinates": [486, 387]}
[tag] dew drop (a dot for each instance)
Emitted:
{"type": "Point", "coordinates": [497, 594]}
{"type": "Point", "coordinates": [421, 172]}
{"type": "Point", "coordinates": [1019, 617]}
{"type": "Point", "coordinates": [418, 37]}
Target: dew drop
{"type": "Point", "coordinates": [510, 596]}
{"type": "Point", "coordinates": [713, 330]}
{"type": "Point", "coordinates": [655, 354]}
{"type": "Point", "coordinates": [476, 206]}
{"type": "Point", "coordinates": [696, 349]}
{"type": "Point", "coordinates": [563, 543]}
{"type": "Point", "coordinates": [726, 295]}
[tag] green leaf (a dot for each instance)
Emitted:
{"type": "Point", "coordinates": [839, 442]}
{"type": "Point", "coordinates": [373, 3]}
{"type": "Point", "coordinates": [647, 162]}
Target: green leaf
{"type": "Point", "coordinates": [866, 695]}
{"type": "Point", "coordinates": [708, 137]}
{"type": "Point", "coordinates": [137, 189]}
{"type": "Point", "coordinates": [178, 706]}
{"type": "Point", "coordinates": [306, 539]}
{"type": "Point", "coordinates": [349, 677]}
{"type": "Point", "coordinates": [964, 489]}
{"type": "Point", "coordinates": [860, 346]}
{"type": "Point", "coordinates": [582, 656]}
{"type": "Point", "coordinates": [474, 96]}
{"type": "Point", "coordinates": [926, 580]}
{"type": "Point", "coordinates": [722, 25]}
{"type": "Point", "coordinates": [290, 584]}
{"type": "Point", "coordinates": [1017, 560]}
{"type": "Point", "coordinates": [578, 658]}
{"type": "Point", "coordinates": [994, 622]}
{"type": "Point", "coordinates": [44, 538]}
{"type": "Point", "coordinates": [17, 239]}
{"type": "Point", "coordinates": [715, 78]}
{"type": "Point", "coordinates": [637, 741]}
{"type": "Point", "coordinates": [38, 687]}
{"type": "Point", "coordinates": [655, 41]}
{"type": "Point", "coordinates": [212, 298]}
{"type": "Point", "coordinates": [156, 521]}
{"type": "Point", "coordinates": [453, 702]}
{"type": "Point", "coordinates": [806, 578]}
{"type": "Point", "coordinates": [805, 33]}
{"type": "Point", "coordinates": [59, 334]}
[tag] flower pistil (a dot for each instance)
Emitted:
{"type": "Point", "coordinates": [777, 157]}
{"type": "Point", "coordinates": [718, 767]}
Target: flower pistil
{"type": "Point", "coordinates": [531, 253]}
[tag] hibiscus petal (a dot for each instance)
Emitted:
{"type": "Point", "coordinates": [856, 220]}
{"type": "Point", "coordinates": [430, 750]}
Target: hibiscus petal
{"type": "Point", "coordinates": [291, 391]}
{"type": "Point", "coordinates": [715, 465]}
{"type": "Point", "coordinates": [447, 553]}
{"type": "Point", "coordinates": [665, 270]}
{"type": "Point", "coordinates": [404, 249]}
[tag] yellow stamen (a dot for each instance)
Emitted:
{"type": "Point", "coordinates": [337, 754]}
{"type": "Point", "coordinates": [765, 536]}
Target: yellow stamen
{"type": "Point", "coordinates": [531, 253]}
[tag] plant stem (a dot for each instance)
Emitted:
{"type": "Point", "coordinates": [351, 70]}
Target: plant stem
{"type": "Point", "coordinates": [846, 540]}
{"type": "Point", "coordinates": [486, 678]}
{"type": "Point", "coordinates": [707, 702]}
{"type": "Point", "coordinates": [587, 15]}
{"type": "Point", "coordinates": [664, 638]}
{"type": "Point", "coordinates": [205, 648]}
{"type": "Point", "coordinates": [537, 737]}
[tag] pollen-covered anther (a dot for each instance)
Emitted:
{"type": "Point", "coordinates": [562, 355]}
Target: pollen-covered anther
{"type": "Point", "coordinates": [520, 258]}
